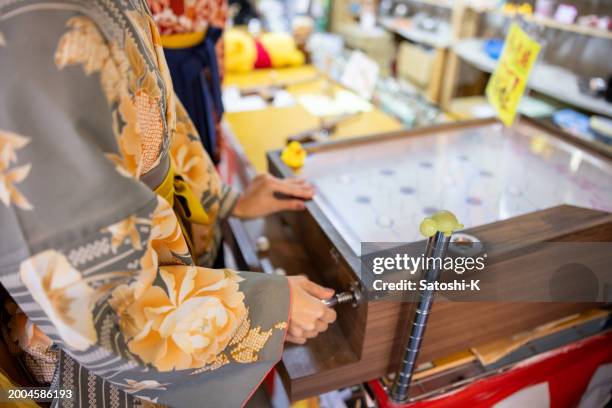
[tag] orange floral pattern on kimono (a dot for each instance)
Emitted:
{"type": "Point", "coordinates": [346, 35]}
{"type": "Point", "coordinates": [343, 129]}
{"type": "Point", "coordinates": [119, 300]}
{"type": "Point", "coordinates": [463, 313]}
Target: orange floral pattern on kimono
{"type": "Point", "coordinates": [123, 295]}
{"type": "Point", "coordinates": [9, 177]}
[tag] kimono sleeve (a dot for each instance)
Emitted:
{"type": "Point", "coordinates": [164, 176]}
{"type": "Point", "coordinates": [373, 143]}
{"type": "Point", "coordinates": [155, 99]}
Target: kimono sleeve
{"type": "Point", "coordinates": [95, 259]}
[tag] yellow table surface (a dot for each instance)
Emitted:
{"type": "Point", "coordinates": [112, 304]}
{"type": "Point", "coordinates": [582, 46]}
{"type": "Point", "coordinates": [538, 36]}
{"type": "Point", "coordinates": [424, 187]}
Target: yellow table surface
{"type": "Point", "coordinates": [263, 77]}
{"type": "Point", "coordinates": [267, 129]}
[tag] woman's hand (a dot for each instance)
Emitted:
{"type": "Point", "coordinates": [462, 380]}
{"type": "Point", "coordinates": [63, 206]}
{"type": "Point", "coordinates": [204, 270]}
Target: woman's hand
{"type": "Point", "coordinates": [309, 316]}
{"type": "Point", "coordinates": [267, 194]}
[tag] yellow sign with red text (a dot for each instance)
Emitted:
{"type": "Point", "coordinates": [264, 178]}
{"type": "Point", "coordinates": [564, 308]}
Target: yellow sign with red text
{"type": "Point", "coordinates": [507, 84]}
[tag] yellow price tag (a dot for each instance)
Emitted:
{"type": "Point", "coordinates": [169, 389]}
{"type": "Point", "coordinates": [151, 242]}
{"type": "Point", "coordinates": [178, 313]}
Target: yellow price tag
{"type": "Point", "coordinates": [507, 84]}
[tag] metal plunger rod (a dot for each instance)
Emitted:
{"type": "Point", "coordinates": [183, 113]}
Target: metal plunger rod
{"type": "Point", "coordinates": [437, 245]}
{"type": "Point", "coordinates": [352, 296]}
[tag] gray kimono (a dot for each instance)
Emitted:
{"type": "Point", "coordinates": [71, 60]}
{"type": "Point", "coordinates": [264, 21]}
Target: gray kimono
{"type": "Point", "coordinates": [108, 207]}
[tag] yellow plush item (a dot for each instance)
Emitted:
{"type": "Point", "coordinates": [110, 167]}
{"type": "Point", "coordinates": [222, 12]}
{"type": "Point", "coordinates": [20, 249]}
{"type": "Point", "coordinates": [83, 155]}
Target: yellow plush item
{"type": "Point", "coordinates": [240, 51]}
{"type": "Point", "coordinates": [282, 50]}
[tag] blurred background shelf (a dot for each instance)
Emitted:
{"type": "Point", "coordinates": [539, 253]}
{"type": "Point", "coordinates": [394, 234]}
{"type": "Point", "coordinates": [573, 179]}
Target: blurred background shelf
{"type": "Point", "coordinates": [404, 28]}
{"type": "Point", "coordinates": [549, 22]}
{"type": "Point", "coordinates": [574, 28]}
{"type": "Point", "coordinates": [448, 4]}
{"type": "Point", "coordinates": [471, 51]}
{"type": "Point", "coordinates": [554, 81]}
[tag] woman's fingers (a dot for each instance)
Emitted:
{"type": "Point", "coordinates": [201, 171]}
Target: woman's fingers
{"type": "Point", "coordinates": [320, 326]}
{"type": "Point", "coordinates": [318, 291]}
{"type": "Point", "coordinates": [311, 334]}
{"type": "Point", "coordinates": [300, 336]}
{"type": "Point", "coordinates": [290, 205]}
{"type": "Point", "coordinates": [314, 320]}
{"type": "Point", "coordinates": [329, 316]}
{"type": "Point", "coordinates": [298, 181]}
{"type": "Point", "coordinates": [299, 190]}
{"type": "Point", "coordinates": [296, 331]}
{"type": "Point", "coordinates": [295, 340]}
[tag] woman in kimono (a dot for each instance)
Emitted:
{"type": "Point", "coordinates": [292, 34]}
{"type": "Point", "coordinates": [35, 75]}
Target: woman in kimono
{"type": "Point", "coordinates": [108, 207]}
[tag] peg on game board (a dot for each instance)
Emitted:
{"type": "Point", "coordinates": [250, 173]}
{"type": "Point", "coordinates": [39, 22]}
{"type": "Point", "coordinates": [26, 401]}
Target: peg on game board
{"type": "Point", "coordinates": [262, 243]}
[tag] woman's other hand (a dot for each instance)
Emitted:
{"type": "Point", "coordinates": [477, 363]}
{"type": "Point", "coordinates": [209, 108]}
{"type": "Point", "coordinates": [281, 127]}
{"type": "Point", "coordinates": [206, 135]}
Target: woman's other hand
{"type": "Point", "coordinates": [267, 195]}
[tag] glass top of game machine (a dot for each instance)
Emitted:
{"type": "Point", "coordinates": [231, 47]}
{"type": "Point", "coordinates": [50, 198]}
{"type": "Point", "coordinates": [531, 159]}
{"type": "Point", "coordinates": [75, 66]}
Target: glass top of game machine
{"type": "Point", "coordinates": [380, 190]}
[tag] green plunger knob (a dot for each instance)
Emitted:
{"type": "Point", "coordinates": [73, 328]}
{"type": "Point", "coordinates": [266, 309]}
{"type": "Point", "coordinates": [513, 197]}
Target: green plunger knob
{"type": "Point", "coordinates": [442, 221]}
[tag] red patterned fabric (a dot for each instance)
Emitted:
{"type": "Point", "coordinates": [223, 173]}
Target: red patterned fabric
{"type": "Point", "coordinates": [263, 58]}
{"type": "Point", "coordinates": [185, 16]}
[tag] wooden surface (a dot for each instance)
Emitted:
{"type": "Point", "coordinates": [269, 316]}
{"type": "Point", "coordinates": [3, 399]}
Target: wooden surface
{"type": "Point", "coordinates": [366, 341]}
{"type": "Point", "coordinates": [364, 344]}
{"type": "Point", "coordinates": [491, 352]}
{"type": "Point", "coordinates": [257, 132]}
{"type": "Point", "coordinates": [464, 23]}
{"type": "Point", "coordinates": [455, 326]}
{"type": "Point", "coordinates": [375, 330]}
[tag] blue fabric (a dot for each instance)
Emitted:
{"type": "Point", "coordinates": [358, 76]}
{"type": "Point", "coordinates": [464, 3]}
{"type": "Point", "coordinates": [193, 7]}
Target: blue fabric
{"type": "Point", "coordinates": [197, 83]}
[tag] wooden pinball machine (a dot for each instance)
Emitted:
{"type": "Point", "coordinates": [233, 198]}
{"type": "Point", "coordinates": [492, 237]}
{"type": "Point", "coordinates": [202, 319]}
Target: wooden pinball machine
{"type": "Point", "coordinates": [513, 189]}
